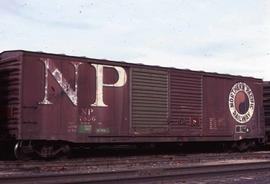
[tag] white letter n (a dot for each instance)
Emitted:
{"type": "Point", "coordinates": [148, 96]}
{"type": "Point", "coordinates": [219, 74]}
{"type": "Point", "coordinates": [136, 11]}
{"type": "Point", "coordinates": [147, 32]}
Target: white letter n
{"type": "Point", "coordinates": [57, 75]}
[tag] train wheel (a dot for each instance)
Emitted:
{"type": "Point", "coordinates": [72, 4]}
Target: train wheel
{"type": "Point", "coordinates": [244, 146]}
{"type": "Point", "coordinates": [65, 152]}
{"type": "Point", "coordinates": [253, 146]}
{"type": "Point", "coordinates": [23, 150]}
{"type": "Point", "coordinates": [227, 147]}
{"type": "Point", "coordinates": [52, 150]}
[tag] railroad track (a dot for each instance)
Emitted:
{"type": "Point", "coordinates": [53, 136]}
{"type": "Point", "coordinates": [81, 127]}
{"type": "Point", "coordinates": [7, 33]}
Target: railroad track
{"type": "Point", "coordinates": [124, 162]}
{"type": "Point", "coordinates": [142, 175]}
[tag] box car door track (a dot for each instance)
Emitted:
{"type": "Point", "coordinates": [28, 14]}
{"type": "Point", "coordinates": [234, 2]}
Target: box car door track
{"type": "Point", "coordinates": [49, 102]}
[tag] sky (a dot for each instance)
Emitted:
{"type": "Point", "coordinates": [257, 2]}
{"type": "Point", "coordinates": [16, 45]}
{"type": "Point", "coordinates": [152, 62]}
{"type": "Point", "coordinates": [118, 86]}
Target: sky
{"type": "Point", "coordinates": [223, 36]}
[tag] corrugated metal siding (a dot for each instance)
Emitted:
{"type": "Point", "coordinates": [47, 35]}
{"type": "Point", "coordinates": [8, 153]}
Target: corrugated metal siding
{"type": "Point", "coordinates": [186, 99]}
{"type": "Point", "coordinates": [149, 98]}
{"type": "Point", "coordinates": [266, 104]}
{"type": "Point", "coordinates": [10, 81]}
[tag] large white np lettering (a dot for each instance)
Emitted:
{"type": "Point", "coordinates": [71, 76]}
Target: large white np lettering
{"type": "Point", "coordinates": [73, 93]}
{"type": "Point", "coordinates": [55, 72]}
{"type": "Point", "coordinates": [122, 79]}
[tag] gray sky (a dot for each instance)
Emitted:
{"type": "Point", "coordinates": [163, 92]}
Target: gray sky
{"type": "Point", "coordinates": [224, 36]}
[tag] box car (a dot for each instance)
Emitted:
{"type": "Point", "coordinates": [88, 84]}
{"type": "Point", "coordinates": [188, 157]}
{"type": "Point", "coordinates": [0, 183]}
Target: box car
{"type": "Point", "coordinates": [47, 98]}
{"type": "Point", "coordinates": [266, 101]}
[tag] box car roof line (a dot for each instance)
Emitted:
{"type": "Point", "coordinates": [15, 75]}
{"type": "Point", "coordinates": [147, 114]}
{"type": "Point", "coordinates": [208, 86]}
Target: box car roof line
{"type": "Point", "coordinates": [123, 63]}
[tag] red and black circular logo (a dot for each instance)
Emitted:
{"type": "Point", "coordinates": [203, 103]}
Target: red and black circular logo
{"type": "Point", "coordinates": [241, 102]}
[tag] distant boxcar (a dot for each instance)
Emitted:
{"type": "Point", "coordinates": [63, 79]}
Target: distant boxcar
{"type": "Point", "coordinates": [266, 101]}
{"type": "Point", "coordinates": [49, 98]}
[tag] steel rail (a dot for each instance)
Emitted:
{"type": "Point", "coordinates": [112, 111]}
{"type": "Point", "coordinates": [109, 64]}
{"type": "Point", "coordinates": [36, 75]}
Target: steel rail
{"type": "Point", "coordinates": [131, 160]}
{"type": "Point", "coordinates": [139, 175]}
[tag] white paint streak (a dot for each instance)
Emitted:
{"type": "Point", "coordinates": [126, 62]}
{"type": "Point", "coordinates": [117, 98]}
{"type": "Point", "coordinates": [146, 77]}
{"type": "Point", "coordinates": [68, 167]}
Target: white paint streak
{"type": "Point", "coordinates": [56, 73]}
{"type": "Point", "coordinates": [45, 100]}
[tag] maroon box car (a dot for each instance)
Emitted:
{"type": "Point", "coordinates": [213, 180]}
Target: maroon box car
{"type": "Point", "coordinates": [49, 98]}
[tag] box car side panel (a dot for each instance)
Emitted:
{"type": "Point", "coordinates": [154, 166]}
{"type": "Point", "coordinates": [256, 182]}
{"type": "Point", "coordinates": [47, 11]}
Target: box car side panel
{"type": "Point", "coordinates": [61, 100]}
{"type": "Point", "coordinates": [260, 109]}
{"type": "Point", "coordinates": [251, 127]}
{"type": "Point", "coordinates": [186, 105]}
{"type": "Point", "coordinates": [216, 115]}
{"type": "Point", "coordinates": [41, 120]}
{"type": "Point", "coordinates": [233, 108]}
{"type": "Point", "coordinates": [149, 101]}
{"type": "Point", "coordinates": [108, 116]}
{"type": "Point", "coordinates": [10, 95]}
{"type": "Point", "coordinates": [85, 100]}
{"type": "Point", "coordinates": [256, 124]}
{"type": "Point", "coordinates": [266, 104]}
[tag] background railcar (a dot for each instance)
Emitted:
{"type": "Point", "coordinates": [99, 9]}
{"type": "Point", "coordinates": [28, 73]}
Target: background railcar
{"type": "Point", "coordinates": [49, 101]}
{"type": "Point", "coordinates": [266, 101]}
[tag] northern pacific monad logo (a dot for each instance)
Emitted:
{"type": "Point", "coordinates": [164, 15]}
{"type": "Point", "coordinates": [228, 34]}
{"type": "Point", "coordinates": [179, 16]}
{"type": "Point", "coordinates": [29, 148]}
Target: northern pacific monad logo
{"type": "Point", "coordinates": [241, 102]}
